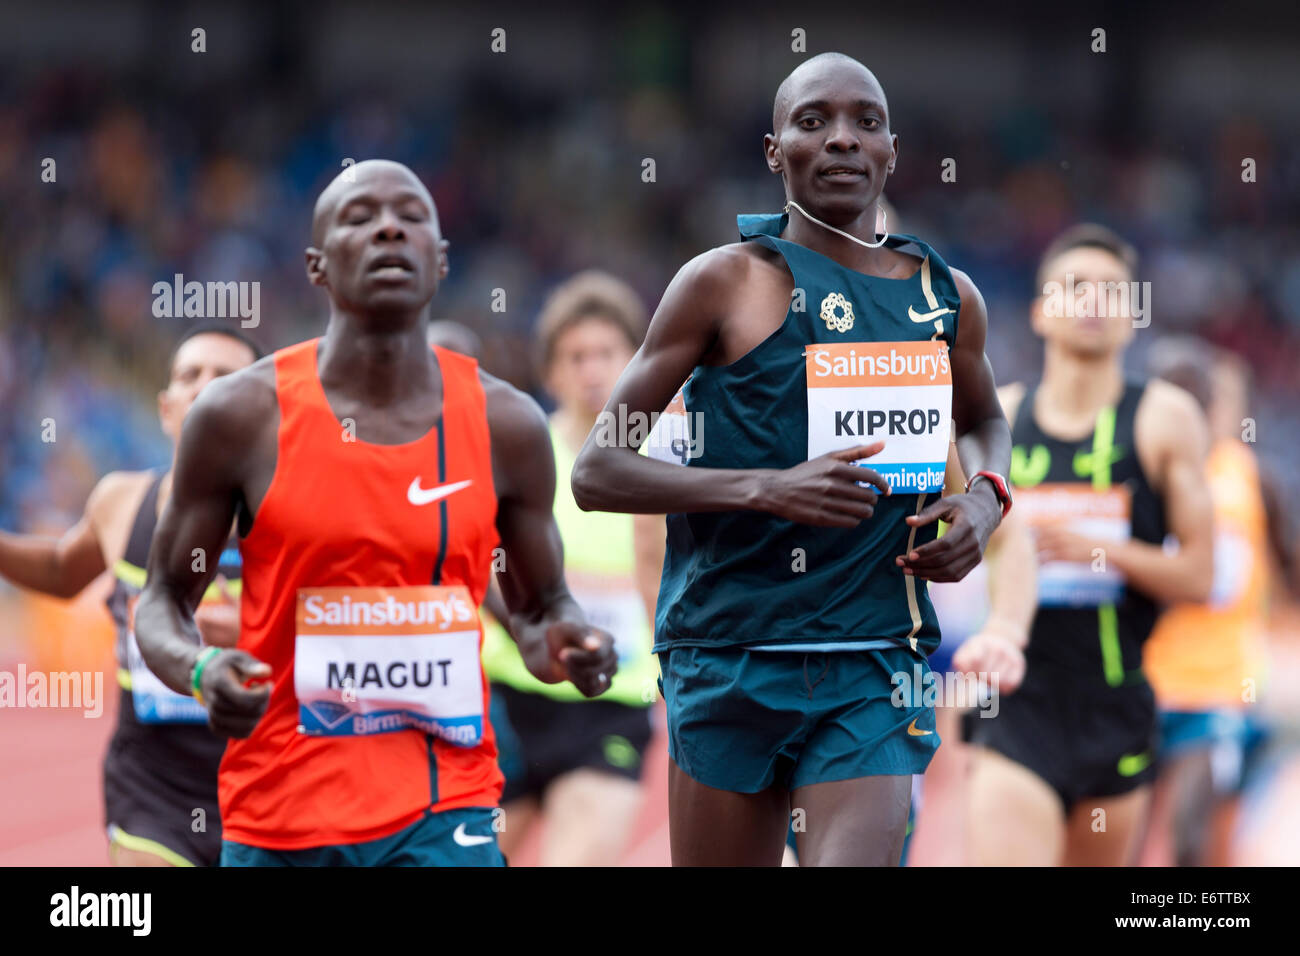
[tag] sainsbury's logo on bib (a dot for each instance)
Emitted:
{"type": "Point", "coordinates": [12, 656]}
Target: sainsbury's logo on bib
{"type": "Point", "coordinates": [352, 608]}
{"type": "Point", "coordinates": [898, 392]}
{"type": "Point", "coordinates": [866, 363]}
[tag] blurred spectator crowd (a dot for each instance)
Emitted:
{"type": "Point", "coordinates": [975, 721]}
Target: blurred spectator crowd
{"type": "Point", "coordinates": [217, 184]}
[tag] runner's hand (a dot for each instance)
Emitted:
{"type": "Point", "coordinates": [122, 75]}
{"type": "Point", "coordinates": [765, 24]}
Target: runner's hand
{"type": "Point", "coordinates": [1055, 543]}
{"type": "Point", "coordinates": [581, 654]}
{"type": "Point", "coordinates": [995, 655]}
{"type": "Point", "coordinates": [971, 519]}
{"type": "Point", "coordinates": [825, 491]}
{"type": "Point", "coordinates": [218, 620]}
{"type": "Point", "coordinates": [236, 689]}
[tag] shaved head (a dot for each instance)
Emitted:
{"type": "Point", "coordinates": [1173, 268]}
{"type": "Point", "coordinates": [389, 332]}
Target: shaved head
{"type": "Point", "coordinates": [376, 245]}
{"type": "Point", "coordinates": [787, 92]}
{"type": "Point", "coordinates": [349, 179]}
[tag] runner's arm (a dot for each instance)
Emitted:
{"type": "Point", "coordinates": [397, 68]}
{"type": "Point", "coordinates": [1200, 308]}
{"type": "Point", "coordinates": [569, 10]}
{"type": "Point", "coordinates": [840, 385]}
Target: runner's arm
{"type": "Point", "coordinates": [609, 475]}
{"type": "Point", "coordinates": [983, 444]}
{"type": "Point", "coordinates": [983, 435]}
{"type": "Point", "coordinates": [1013, 571]}
{"type": "Point", "coordinates": [1013, 580]}
{"type": "Point", "coordinates": [495, 605]}
{"type": "Point", "coordinates": [191, 534]}
{"type": "Point", "coordinates": [554, 639]}
{"type": "Point", "coordinates": [1281, 540]}
{"type": "Point", "coordinates": [61, 566]}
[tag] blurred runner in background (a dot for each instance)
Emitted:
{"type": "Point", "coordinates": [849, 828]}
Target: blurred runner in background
{"type": "Point", "coordinates": [1104, 469]}
{"type": "Point", "coordinates": [571, 762]}
{"type": "Point", "coordinates": [160, 771]}
{"type": "Point", "coordinates": [1206, 661]}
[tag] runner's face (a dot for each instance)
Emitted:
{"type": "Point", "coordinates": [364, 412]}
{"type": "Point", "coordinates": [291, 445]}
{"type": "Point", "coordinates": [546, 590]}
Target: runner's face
{"type": "Point", "coordinates": [835, 148]}
{"type": "Point", "coordinates": [382, 247]}
{"type": "Point", "coordinates": [1094, 319]}
{"type": "Point", "coordinates": [198, 361]}
{"type": "Point", "coordinates": [588, 358]}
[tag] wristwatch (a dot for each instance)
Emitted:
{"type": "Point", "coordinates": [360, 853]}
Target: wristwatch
{"type": "Point", "coordinates": [999, 488]}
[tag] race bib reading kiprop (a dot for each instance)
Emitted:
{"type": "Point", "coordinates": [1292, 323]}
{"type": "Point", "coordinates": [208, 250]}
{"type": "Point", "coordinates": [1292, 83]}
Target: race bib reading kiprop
{"type": "Point", "coordinates": [377, 660]}
{"type": "Point", "coordinates": [1102, 515]}
{"type": "Point", "coordinates": [896, 392]}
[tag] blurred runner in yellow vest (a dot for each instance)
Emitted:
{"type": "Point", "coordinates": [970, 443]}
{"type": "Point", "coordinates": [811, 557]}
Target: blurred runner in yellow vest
{"type": "Point", "coordinates": [573, 761]}
{"type": "Point", "coordinates": [1205, 661]}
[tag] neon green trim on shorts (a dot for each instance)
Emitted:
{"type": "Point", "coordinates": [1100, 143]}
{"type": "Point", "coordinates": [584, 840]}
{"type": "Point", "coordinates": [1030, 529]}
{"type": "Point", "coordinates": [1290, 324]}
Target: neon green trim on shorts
{"type": "Point", "coordinates": [1130, 765]}
{"type": "Point", "coordinates": [143, 845]}
{"type": "Point", "coordinates": [619, 752]}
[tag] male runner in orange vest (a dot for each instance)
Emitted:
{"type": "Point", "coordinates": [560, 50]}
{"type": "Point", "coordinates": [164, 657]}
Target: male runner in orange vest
{"type": "Point", "coordinates": [373, 479]}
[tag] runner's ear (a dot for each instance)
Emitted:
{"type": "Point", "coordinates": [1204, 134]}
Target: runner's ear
{"type": "Point", "coordinates": [444, 263]}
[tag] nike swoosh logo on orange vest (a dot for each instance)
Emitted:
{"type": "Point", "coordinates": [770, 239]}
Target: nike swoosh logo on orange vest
{"type": "Point", "coordinates": [422, 496]}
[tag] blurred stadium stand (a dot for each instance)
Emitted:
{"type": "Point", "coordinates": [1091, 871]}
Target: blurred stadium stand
{"type": "Point", "coordinates": [207, 164]}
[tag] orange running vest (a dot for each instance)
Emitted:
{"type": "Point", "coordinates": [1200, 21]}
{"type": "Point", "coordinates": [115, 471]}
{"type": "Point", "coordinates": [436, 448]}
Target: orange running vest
{"type": "Point", "coordinates": [337, 514]}
{"type": "Point", "coordinates": [1207, 656]}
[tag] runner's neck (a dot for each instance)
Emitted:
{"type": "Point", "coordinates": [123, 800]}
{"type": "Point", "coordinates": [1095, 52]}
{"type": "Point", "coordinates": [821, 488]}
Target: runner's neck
{"type": "Point", "coordinates": [1075, 388]}
{"type": "Point", "coordinates": [882, 263]}
{"type": "Point", "coordinates": [377, 368]}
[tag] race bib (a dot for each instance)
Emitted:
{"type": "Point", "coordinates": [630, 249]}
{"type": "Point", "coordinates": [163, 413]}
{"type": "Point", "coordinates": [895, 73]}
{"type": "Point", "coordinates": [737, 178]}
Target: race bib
{"type": "Point", "coordinates": [378, 660]}
{"type": "Point", "coordinates": [1098, 514]}
{"type": "Point", "coordinates": [154, 701]}
{"type": "Point", "coordinates": [670, 439]}
{"type": "Point", "coordinates": [896, 392]}
{"type": "Point", "coordinates": [613, 605]}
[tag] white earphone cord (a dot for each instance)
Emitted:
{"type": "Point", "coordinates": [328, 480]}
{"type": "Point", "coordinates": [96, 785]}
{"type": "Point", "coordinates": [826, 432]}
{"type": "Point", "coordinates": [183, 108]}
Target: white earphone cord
{"type": "Point", "coordinates": [870, 245]}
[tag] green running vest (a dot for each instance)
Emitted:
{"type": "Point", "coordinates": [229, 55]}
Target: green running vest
{"type": "Point", "coordinates": [858, 358]}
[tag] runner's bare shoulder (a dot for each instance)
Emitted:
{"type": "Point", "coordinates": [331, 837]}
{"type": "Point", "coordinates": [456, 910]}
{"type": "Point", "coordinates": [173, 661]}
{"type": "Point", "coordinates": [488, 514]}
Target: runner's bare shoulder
{"type": "Point", "coordinates": [115, 489]}
{"type": "Point", "coordinates": [111, 506]}
{"type": "Point", "coordinates": [1168, 419]}
{"type": "Point", "coordinates": [703, 293]}
{"type": "Point", "coordinates": [725, 268]}
{"type": "Point", "coordinates": [521, 438]}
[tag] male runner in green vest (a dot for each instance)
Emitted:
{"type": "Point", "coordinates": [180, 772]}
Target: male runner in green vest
{"type": "Point", "coordinates": [793, 590]}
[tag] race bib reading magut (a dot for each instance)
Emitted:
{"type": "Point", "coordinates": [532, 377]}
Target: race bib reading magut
{"type": "Point", "coordinates": [896, 392]}
{"type": "Point", "coordinates": [378, 660]}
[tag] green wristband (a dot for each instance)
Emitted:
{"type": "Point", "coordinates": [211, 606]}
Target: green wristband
{"type": "Point", "coordinates": [199, 663]}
